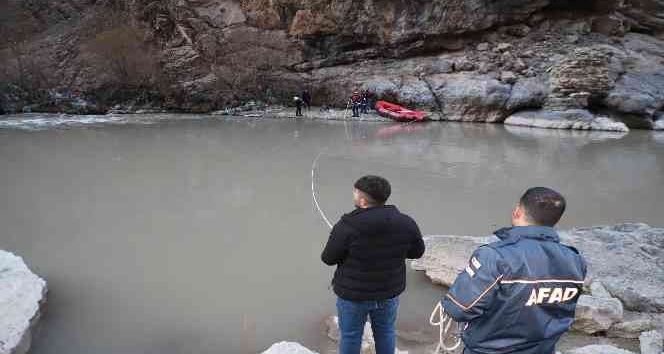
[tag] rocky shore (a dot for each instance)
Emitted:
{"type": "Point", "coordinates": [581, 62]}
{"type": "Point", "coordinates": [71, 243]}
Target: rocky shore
{"type": "Point", "coordinates": [549, 63]}
{"type": "Point", "coordinates": [620, 312]}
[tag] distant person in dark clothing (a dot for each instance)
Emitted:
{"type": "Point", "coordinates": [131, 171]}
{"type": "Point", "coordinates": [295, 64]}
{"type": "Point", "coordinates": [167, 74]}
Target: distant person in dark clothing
{"type": "Point", "coordinates": [298, 106]}
{"type": "Point", "coordinates": [518, 295]}
{"type": "Point", "coordinates": [356, 101]}
{"type": "Point", "coordinates": [366, 101]}
{"type": "Point", "coordinates": [369, 246]}
{"type": "Point", "coordinates": [306, 98]}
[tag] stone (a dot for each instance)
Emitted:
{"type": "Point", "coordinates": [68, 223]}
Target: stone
{"type": "Point", "coordinates": [508, 77]}
{"type": "Point", "coordinates": [596, 314]}
{"type": "Point", "coordinates": [22, 296]}
{"type": "Point", "coordinates": [446, 256]}
{"type": "Point", "coordinates": [528, 93]}
{"type": "Point", "coordinates": [572, 38]}
{"type": "Point", "coordinates": [598, 349]}
{"type": "Point", "coordinates": [651, 342]}
{"type": "Point", "coordinates": [518, 30]}
{"type": "Point", "coordinates": [630, 329]}
{"type": "Point", "coordinates": [598, 290]}
{"type": "Point", "coordinates": [567, 119]}
{"type": "Point", "coordinates": [463, 64]}
{"type": "Point", "coordinates": [585, 70]}
{"type": "Point", "coordinates": [288, 348]}
{"type": "Point", "coordinates": [658, 125]}
{"type": "Point", "coordinates": [502, 47]}
{"type": "Point", "coordinates": [610, 25]}
{"type": "Point", "coordinates": [482, 47]}
{"type": "Point", "coordinates": [470, 97]}
{"type": "Point", "coordinates": [614, 256]}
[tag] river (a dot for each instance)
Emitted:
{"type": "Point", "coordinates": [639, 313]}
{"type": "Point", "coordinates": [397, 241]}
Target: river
{"type": "Point", "coordinates": [198, 234]}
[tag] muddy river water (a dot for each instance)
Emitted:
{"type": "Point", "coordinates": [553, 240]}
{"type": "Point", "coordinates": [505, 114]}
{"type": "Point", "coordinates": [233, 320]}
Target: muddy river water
{"type": "Point", "coordinates": [199, 235]}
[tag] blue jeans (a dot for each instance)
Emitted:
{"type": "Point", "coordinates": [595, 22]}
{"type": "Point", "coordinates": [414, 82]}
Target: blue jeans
{"type": "Point", "coordinates": [353, 315]}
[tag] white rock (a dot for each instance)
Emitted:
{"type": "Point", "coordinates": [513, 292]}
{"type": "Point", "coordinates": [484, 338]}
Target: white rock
{"type": "Point", "coordinates": [21, 295]}
{"type": "Point", "coordinates": [288, 348]}
{"type": "Point", "coordinates": [651, 342]}
{"type": "Point", "coordinates": [598, 349]}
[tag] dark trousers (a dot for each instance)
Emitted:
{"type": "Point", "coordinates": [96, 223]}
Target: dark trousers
{"type": "Point", "coordinates": [356, 109]}
{"type": "Point", "coordinates": [298, 110]}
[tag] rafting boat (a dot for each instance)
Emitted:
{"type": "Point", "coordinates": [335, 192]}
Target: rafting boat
{"type": "Point", "coordinates": [396, 112]}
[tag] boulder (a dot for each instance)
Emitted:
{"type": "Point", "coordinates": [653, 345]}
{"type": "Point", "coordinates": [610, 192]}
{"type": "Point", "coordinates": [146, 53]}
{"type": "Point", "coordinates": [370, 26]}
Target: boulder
{"type": "Point", "coordinates": [625, 258]}
{"type": "Point", "coordinates": [569, 119]}
{"type": "Point", "coordinates": [446, 256]}
{"type": "Point", "coordinates": [596, 314]}
{"type": "Point", "coordinates": [469, 97]}
{"type": "Point", "coordinates": [484, 46]}
{"type": "Point", "coordinates": [651, 342]}
{"type": "Point", "coordinates": [598, 290]}
{"type": "Point", "coordinates": [598, 349]}
{"type": "Point", "coordinates": [508, 77]}
{"type": "Point", "coordinates": [630, 329]}
{"type": "Point", "coordinates": [288, 348]}
{"type": "Point", "coordinates": [528, 93]}
{"type": "Point", "coordinates": [22, 295]}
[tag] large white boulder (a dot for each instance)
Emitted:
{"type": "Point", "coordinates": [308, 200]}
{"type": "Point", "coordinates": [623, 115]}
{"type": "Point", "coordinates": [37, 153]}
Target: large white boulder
{"type": "Point", "coordinates": [22, 294]}
{"type": "Point", "coordinates": [288, 348]}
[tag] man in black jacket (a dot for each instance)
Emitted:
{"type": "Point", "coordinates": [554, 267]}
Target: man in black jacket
{"type": "Point", "coordinates": [369, 246]}
{"type": "Point", "coordinates": [518, 295]}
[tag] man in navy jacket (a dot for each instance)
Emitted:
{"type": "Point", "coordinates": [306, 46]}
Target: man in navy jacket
{"type": "Point", "coordinates": [519, 294]}
{"type": "Point", "coordinates": [369, 246]}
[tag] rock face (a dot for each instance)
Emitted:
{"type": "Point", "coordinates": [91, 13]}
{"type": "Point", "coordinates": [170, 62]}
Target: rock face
{"type": "Point", "coordinates": [626, 258]}
{"type": "Point", "coordinates": [568, 119]}
{"type": "Point", "coordinates": [22, 293]}
{"type": "Point", "coordinates": [595, 314]}
{"type": "Point", "coordinates": [468, 60]}
{"type": "Point", "coordinates": [288, 348]}
{"type": "Point", "coordinates": [651, 342]}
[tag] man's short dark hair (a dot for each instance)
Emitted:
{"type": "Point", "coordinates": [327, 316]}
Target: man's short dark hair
{"type": "Point", "coordinates": [543, 206]}
{"type": "Point", "coordinates": [375, 187]}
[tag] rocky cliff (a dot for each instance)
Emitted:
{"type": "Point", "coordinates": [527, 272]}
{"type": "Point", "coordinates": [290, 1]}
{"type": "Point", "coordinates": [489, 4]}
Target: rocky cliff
{"type": "Point", "coordinates": [471, 60]}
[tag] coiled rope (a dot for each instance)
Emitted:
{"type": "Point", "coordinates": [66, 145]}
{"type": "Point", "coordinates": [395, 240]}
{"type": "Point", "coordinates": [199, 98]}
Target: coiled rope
{"type": "Point", "coordinates": [444, 324]}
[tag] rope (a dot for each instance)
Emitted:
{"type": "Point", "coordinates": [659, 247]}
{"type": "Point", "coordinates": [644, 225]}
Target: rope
{"type": "Point", "coordinates": [313, 190]}
{"type": "Point", "coordinates": [444, 325]}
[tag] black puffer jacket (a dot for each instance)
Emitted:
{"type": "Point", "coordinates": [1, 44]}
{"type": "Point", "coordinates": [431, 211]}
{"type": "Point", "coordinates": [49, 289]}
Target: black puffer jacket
{"type": "Point", "coordinates": [369, 247]}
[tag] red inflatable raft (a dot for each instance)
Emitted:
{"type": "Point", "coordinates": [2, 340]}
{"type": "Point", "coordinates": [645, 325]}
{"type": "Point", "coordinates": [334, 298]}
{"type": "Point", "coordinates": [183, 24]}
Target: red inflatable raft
{"type": "Point", "coordinates": [397, 112]}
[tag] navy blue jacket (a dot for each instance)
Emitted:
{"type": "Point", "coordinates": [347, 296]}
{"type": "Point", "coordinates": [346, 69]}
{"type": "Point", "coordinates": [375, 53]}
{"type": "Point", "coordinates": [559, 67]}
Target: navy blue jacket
{"type": "Point", "coordinates": [519, 294]}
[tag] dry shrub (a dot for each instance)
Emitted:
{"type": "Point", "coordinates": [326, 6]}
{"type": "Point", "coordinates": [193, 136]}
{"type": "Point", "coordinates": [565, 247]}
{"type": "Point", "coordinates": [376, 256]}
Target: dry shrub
{"type": "Point", "coordinates": [122, 54]}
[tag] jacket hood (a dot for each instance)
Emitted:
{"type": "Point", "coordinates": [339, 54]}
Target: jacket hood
{"type": "Point", "coordinates": [376, 219]}
{"type": "Point", "coordinates": [533, 231]}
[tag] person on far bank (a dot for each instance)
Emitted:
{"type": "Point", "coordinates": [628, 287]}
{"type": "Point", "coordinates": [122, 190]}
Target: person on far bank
{"type": "Point", "coordinates": [356, 101]}
{"type": "Point", "coordinates": [298, 106]}
{"type": "Point", "coordinates": [306, 99]}
{"type": "Point", "coordinates": [518, 294]}
{"type": "Point", "coordinates": [369, 246]}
